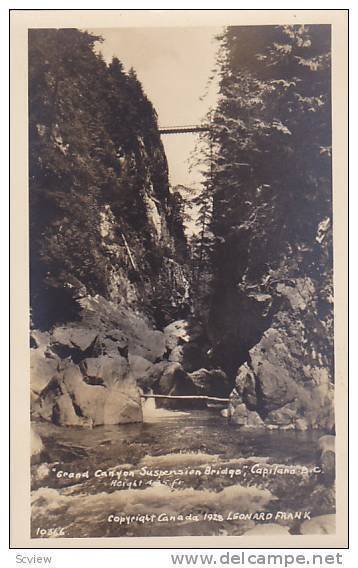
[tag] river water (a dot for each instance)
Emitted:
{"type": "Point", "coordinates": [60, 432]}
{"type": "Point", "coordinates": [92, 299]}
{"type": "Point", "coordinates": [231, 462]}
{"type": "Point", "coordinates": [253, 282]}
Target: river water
{"type": "Point", "coordinates": [177, 473]}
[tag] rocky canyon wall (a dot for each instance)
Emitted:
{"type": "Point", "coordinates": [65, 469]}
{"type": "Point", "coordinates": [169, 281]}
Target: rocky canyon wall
{"type": "Point", "coordinates": [107, 245]}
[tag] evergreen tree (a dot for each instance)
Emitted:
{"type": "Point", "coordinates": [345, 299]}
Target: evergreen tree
{"type": "Point", "coordinates": [271, 175]}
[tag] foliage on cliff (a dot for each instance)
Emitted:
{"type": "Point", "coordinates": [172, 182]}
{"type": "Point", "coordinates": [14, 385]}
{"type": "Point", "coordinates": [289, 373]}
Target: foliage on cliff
{"type": "Point", "coordinates": [102, 219]}
{"type": "Point", "coordinates": [271, 184]}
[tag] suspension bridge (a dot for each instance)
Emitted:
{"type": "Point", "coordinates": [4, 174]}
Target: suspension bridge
{"type": "Point", "coordinates": [186, 129]}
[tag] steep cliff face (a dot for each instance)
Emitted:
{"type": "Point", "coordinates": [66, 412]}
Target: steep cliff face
{"type": "Point", "coordinates": [108, 250]}
{"type": "Point", "coordinates": [102, 218]}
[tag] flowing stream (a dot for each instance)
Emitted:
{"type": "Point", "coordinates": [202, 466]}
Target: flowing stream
{"type": "Point", "coordinates": [177, 473]}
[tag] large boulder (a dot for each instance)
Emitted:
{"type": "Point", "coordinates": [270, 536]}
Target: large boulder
{"type": "Point", "coordinates": [246, 386]}
{"type": "Point", "coordinates": [64, 411]}
{"type": "Point", "coordinates": [44, 365]}
{"type": "Point", "coordinates": [139, 366]}
{"type": "Point", "coordinates": [244, 417]}
{"type": "Point", "coordinates": [37, 446]}
{"type": "Point", "coordinates": [176, 333]}
{"type": "Point", "coordinates": [273, 367]}
{"type": "Point", "coordinates": [148, 344]}
{"type": "Point", "coordinates": [42, 370]}
{"type": "Point", "coordinates": [282, 390]}
{"type": "Point", "coordinates": [88, 400]}
{"type": "Point", "coordinates": [177, 354]}
{"type": "Point", "coordinates": [284, 416]}
{"type": "Point", "coordinates": [174, 381]}
{"type": "Point", "coordinates": [150, 379]}
{"type": "Point", "coordinates": [121, 328]}
{"type": "Point", "coordinates": [102, 391]}
{"type": "Point", "coordinates": [287, 377]}
{"type": "Point", "coordinates": [74, 337]}
{"type": "Point", "coordinates": [213, 382]}
{"type": "Point", "coordinates": [169, 378]}
{"type": "Point", "coordinates": [123, 402]}
{"type": "Point", "coordinates": [323, 524]}
{"type": "Point", "coordinates": [112, 342]}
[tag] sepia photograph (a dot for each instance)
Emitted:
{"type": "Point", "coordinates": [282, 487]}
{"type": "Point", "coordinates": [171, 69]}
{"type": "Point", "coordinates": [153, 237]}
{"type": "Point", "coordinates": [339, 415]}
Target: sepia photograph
{"type": "Point", "coordinates": [181, 322]}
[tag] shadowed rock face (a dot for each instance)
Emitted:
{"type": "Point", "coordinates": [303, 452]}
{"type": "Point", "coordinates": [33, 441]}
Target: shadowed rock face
{"type": "Point", "coordinates": [287, 380]}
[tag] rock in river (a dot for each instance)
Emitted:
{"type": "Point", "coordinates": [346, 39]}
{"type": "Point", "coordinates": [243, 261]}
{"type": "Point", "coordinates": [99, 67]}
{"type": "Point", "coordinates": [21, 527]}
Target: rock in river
{"type": "Point", "coordinates": [323, 524]}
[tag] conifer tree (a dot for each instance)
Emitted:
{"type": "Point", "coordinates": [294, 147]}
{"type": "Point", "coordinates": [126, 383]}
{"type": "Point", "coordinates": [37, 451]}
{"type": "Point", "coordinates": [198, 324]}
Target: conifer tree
{"type": "Point", "coordinates": [271, 175]}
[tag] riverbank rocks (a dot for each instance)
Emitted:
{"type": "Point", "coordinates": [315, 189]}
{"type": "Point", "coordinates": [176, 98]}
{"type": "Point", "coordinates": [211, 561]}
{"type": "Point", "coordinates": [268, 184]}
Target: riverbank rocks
{"type": "Point", "coordinates": [43, 362]}
{"type": "Point", "coordinates": [104, 328]}
{"type": "Point", "coordinates": [151, 377]}
{"type": "Point", "coordinates": [170, 378]}
{"type": "Point", "coordinates": [74, 337]}
{"type": "Point", "coordinates": [284, 416]}
{"type": "Point", "coordinates": [213, 382]}
{"type": "Point", "coordinates": [242, 416]}
{"type": "Point", "coordinates": [84, 372]}
{"type": "Point", "coordinates": [174, 381]}
{"type": "Point", "coordinates": [102, 391]}
{"type": "Point", "coordinates": [121, 326]}
{"type": "Point", "coordinates": [284, 394]}
{"type": "Point", "coordinates": [246, 386]}
{"type": "Point", "coordinates": [287, 378]}
{"type": "Point", "coordinates": [327, 457]}
{"type": "Point", "coordinates": [37, 447]}
{"type": "Point", "coordinates": [140, 367]}
{"type": "Point", "coordinates": [176, 333]}
{"type": "Point", "coordinates": [176, 337]}
{"type": "Point", "coordinates": [323, 524]}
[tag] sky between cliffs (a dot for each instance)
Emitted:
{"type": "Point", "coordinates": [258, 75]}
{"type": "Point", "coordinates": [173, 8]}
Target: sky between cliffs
{"type": "Point", "coordinates": [174, 66]}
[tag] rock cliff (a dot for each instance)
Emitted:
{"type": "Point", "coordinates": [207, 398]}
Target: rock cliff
{"type": "Point", "coordinates": [108, 249]}
{"type": "Point", "coordinates": [102, 217]}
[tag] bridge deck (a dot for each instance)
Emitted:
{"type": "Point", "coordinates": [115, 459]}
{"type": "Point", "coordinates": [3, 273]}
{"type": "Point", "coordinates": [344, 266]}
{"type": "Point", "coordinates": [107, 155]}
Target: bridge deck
{"type": "Point", "coordinates": [182, 129]}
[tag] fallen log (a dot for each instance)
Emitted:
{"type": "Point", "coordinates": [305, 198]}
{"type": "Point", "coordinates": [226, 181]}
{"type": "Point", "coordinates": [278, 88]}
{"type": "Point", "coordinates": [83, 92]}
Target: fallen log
{"type": "Point", "coordinates": [188, 397]}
